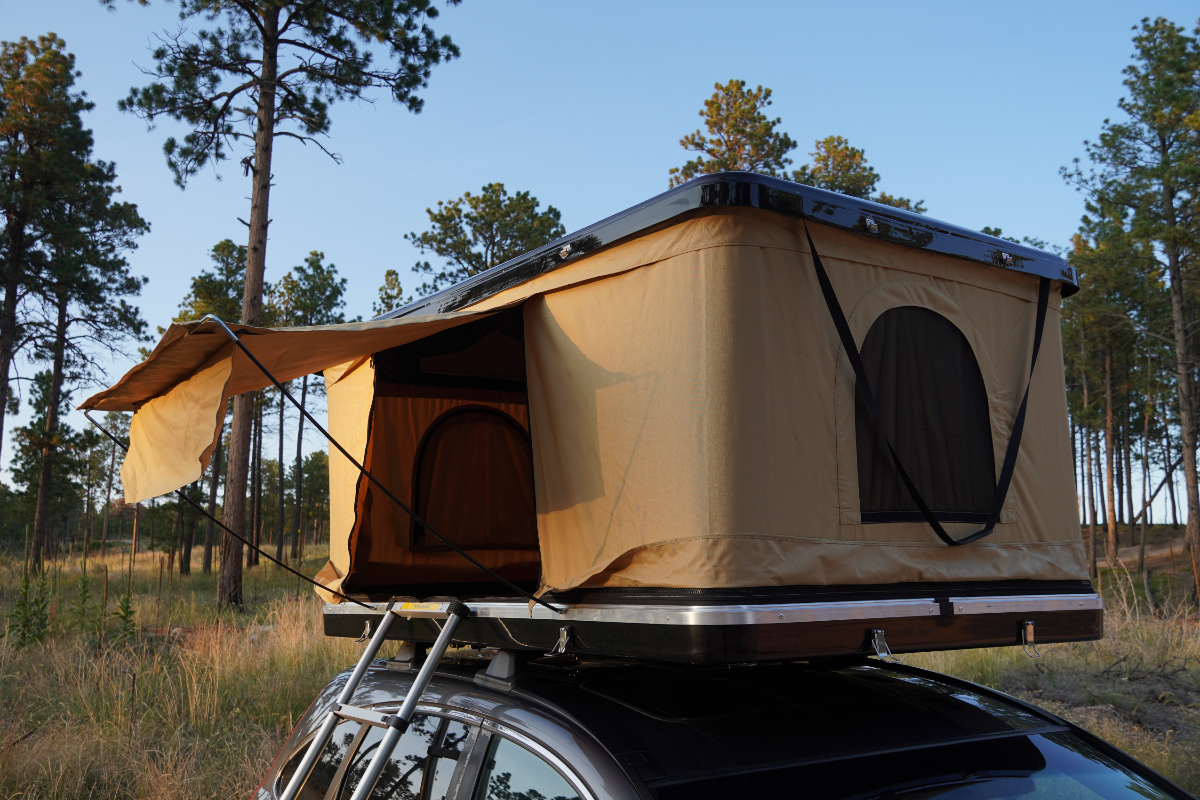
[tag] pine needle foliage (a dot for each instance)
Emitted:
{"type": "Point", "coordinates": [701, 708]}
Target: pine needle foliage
{"type": "Point", "coordinates": [476, 232]}
{"type": "Point", "coordinates": [740, 136]}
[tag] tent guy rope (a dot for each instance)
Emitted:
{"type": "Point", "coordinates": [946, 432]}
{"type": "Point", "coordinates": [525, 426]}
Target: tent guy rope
{"type": "Point", "coordinates": [231, 531]}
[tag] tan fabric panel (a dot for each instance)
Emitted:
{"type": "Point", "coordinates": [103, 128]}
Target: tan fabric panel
{"type": "Point", "coordinates": [187, 350]}
{"type": "Point", "coordinates": [287, 352]}
{"type": "Point", "coordinates": [685, 421]}
{"type": "Point", "coordinates": [382, 538]}
{"type": "Point", "coordinates": [172, 437]}
{"type": "Point", "coordinates": [728, 227]}
{"type": "Point", "coordinates": [350, 390]}
{"type": "Point", "coordinates": [926, 294]}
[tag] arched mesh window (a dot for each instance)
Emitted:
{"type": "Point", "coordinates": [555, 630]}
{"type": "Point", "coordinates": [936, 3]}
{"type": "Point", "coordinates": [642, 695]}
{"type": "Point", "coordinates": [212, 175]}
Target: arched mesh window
{"type": "Point", "coordinates": [934, 408]}
{"type": "Point", "coordinates": [473, 482]}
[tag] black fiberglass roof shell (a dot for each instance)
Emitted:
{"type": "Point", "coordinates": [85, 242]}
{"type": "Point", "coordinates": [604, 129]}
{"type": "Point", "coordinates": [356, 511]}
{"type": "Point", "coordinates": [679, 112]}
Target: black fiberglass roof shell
{"type": "Point", "coordinates": [748, 190]}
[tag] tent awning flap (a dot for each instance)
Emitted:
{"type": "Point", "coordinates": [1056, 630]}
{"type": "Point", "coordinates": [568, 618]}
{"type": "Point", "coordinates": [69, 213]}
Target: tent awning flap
{"type": "Point", "coordinates": [172, 436]}
{"type": "Point", "coordinates": [179, 392]}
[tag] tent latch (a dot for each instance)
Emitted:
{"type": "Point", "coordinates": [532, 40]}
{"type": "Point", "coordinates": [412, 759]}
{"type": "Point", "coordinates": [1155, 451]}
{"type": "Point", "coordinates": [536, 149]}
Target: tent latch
{"type": "Point", "coordinates": [1027, 640]}
{"type": "Point", "coordinates": [564, 639]}
{"type": "Point", "coordinates": [879, 643]}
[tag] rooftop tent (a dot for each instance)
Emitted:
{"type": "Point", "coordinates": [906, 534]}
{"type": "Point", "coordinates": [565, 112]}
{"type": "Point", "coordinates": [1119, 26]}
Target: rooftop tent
{"type": "Point", "coordinates": [661, 401]}
{"type": "Point", "coordinates": [693, 422]}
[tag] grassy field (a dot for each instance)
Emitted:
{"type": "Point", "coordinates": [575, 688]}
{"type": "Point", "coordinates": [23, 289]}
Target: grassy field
{"type": "Point", "coordinates": [167, 698]}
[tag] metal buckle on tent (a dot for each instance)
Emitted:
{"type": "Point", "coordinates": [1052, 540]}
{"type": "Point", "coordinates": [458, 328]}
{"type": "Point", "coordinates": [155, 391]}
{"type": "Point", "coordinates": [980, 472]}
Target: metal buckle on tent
{"type": "Point", "coordinates": [366, 634]}
{"type": "Point", "coordinates": [881, 646]}
{"type": "Point", "coordinates": [564, 639]}
{"type": "Point", "coordinates": [1027, 640]}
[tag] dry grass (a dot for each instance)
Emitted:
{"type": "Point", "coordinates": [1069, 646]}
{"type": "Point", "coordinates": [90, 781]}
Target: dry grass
{"type": "Point", "coordinates": [198, 713]}
{"type": "Point", "coordinates": [198, 704]}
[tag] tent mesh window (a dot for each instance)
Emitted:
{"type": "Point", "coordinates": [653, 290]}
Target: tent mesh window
{"type": "Point", "coordinates": [934, 408]}
{"type": "Point", "coordinates": [473, 482]}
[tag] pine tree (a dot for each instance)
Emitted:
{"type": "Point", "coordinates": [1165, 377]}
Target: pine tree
{"type": "Point", "coordinates": [1144, 187]}
{"type": "Point", "coordinates": [839, 167]}
{"type": "Point", "coordinates": [476, 232]}
{"type": "Point", "coordinates": [391, 294]}
{"type": "Point", "coordinates": [43, 154]}
{"type": "Point", "coordinates": [740, 136]}
{"type": "Point", "coordinates": [270, 69]}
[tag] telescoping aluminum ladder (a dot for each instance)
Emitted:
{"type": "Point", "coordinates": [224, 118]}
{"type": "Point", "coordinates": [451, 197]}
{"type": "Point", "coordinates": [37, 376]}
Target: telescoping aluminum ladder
{"type": "Point", "coordinates": [396, 724]}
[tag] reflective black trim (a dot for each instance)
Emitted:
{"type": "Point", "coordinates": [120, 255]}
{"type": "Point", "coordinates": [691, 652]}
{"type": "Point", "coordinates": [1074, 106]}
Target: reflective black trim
{"type": "Point", "coordinates": [744, 189]}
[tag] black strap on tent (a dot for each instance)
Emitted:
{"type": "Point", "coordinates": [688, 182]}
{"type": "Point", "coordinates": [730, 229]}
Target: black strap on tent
{"type": "Point", "coordinates": [198, 507]}
{"type": "Point", "coordinates": [368, 475]}
{"type": "Point", "coordinates": [860, 374]}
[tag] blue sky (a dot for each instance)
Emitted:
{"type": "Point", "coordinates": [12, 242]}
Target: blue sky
{"type": "Point", "coordinates": [972, 107]}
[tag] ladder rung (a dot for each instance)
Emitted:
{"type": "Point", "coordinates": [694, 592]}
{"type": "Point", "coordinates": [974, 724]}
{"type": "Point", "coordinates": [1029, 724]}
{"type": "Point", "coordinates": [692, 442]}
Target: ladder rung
{"type": "Point", "coordinates": [362, 715]}
{"type": "Point", "coordinates": [424, 610]}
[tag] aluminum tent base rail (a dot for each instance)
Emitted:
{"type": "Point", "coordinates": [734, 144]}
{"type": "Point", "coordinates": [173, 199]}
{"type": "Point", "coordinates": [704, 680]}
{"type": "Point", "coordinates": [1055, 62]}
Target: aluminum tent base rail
{"type": "Point", "coordinates": [728, 633]}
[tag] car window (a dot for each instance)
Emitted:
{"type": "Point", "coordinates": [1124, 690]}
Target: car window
{"type": "Point", "coordinates": [510, 772]}
{"type": "Point", "coordinates": [420, 767]}
{"type": "Point", "coordinates": [1056, 765]}
{"type": "Point", "coordinates": [323, 772]}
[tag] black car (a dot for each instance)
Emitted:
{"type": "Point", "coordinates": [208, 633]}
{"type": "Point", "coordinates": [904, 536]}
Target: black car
{"type": "Point", "coordinates": [579, 728]}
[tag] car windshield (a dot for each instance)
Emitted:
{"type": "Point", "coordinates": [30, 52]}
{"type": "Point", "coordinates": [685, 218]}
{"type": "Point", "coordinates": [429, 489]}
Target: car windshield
{"type": "Point", "coordinates": [1053, 765]}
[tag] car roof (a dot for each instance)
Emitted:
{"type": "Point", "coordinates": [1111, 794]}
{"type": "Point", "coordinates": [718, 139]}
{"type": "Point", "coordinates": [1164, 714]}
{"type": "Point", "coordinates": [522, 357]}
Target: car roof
{"type": "Point", "coordinates": [750, 190]}
{"type": "Point", "coordinates": [673, 723]}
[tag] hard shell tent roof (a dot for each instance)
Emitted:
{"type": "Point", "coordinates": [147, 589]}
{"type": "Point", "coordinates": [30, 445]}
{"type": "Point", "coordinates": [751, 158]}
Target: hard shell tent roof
{"type": "Point", "coordinates": [662, 400]}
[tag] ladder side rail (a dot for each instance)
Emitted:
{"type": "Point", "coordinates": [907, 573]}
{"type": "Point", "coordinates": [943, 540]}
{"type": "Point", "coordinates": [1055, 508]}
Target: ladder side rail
{"type": "Point", "coordinates": [399, 722]}
{"type": "Point", "coordinates": [331, 717]}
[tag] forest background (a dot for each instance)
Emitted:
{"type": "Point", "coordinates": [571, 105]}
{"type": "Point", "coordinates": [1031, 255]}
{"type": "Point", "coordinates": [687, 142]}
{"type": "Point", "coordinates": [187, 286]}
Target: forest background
{"type": "Point", "coordinates": [1123, 355]}
{"type": "Point", "coordinates": [1075, 129]}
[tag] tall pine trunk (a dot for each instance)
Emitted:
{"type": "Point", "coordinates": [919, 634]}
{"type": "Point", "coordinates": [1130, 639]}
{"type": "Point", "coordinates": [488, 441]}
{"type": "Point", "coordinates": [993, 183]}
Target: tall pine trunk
{"type": "Point", "coordinates": [1109, 458]}
{"type": "Point", "coordinates": [177, 535]}
{"type": "Point", "coordinates": [14, 269]}
{"type": "Point", "coordinates": [192, 522]}
{"type": "Point", "coordinates": [112, 469]}
{"type": "Point", "coordinates": [279, 497]}
{"type": "Point", "coordinates": [229, 584]}
{"type": "Point", "coordinates": [1166, 446]}
{"type": "Point", "coordinates": [1145, 480]}
{"type": "Point", "coordinates": [1184, 385]}
{"type": "Point", "coordinates": [255, 482]}
{"type": "Point", "coordinates": [1091, 494]}
{"type": "Point", "coordinates": [1086, 446]}
{"type": "Point", "coordinates": [1127, 446]}
{"type": "Point", "coordinates": [41, 522]}
{"type": "Point", "coordinates": [299, 488]}
{"type": "Point", "coordinates": [213, 480]}
{"type": "Point", "coordinates": [91, 513]}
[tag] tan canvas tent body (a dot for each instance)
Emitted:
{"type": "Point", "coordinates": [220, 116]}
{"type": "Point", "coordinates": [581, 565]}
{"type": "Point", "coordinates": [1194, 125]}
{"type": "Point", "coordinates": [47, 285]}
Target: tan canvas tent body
{"type": "Point", "coordinates": [659, 410]}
